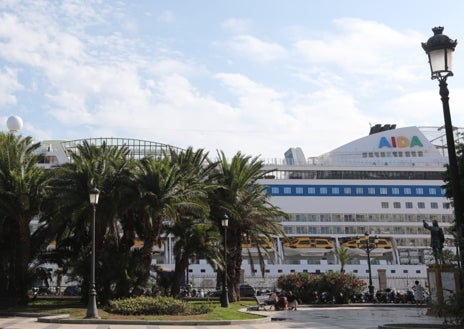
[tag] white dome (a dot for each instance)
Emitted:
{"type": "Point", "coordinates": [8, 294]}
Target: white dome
{"type": "Point", "coordinates": [14, 123]}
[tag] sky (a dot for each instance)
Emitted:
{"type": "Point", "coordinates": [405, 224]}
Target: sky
{"type": "Point", "coordinates": [249, 76]}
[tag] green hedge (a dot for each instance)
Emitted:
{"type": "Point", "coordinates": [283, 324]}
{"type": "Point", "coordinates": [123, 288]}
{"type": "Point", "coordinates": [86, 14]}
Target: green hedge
{"type": "Point", "coordinates": [155, 306]}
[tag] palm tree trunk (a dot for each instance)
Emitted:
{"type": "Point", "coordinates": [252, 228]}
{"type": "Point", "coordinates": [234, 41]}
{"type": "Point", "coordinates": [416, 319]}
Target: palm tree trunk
{"type": "Point", "coordinates": [234, 266]}
{"type": "Point", "coordinates": [146, 251]}
{"type": "Point", "coordinates": [23, 259]}
{"type": "Point", "coordinates": [179, 272]}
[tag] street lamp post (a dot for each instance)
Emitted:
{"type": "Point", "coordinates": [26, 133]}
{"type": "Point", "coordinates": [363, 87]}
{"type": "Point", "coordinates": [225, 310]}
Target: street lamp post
{"type": "Point", "coordinates": [92, 312]}
{"type": "Point", "coordinates": [440, 49]}
{"type": "Point", "coordinates": [369, 270]}
{"type": "Point", "coordinates": [225, 293]}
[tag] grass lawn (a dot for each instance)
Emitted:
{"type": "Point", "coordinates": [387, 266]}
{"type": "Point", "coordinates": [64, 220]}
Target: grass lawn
{"type": "Point", "coordinates": [77, 310]}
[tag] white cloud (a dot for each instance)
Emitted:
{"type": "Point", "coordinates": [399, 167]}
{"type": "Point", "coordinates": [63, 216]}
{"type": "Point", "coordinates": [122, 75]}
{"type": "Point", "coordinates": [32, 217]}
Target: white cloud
{"type": "Point", "coordinates": [366, 48]}
{"type": "Point", "coordinates": [8, 86]}
{"type": "Point", "coordinates": [256, 49]}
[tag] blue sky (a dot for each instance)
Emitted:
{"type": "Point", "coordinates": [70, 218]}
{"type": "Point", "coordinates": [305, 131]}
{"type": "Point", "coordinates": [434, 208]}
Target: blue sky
{"type": "Point", "coordinates": [250, 76]}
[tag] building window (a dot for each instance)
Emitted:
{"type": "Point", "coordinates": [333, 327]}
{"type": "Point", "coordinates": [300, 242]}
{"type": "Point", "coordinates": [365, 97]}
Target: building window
{"type": "Point", "coordinates": [275, 190]}
{"type": "Point", "coordinates": [396, 205]}
{"type": "Point", "coordinates": [359, 190]}
{"type": "Point", "coordinates": [408, 205]}
{"type": "Point", "coordinates": [419, 191]}
{"type": "Point", "coordinates": [407, 191]}
{"type": "Point", "coordinates": [446, 205]}
{"type": "Point", "coordinates": [383, 191]}
{"type": "Point", "coordinates": [395, 190]}
{"type": "Point", "coordinates": [311, 190]}
{"type": "Point", "coordinates": [347, 190]}
{"type": "Point", "coordinates": [287, 190]}
{"type": "Point", "coordinates": [299, 190]}
{"type": "Point", "coordinates": [371, 190]}
{"type": "Point", "coordinates": [421, 205]}
{"type": "Point", "coordinates": [323, 190]}
{"type": "Point", "coordinates": [432, 191]}
{"type": "Point", "coordinates": [384, 205]}
{"type": "Point", "coordinates": [434, 205]}
{"type": "Point", "coordinates": [335, 190]}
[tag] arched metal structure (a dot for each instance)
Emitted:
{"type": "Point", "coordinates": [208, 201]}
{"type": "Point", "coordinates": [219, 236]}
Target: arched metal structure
{"type": "Point", "coordinates": [138, 148]}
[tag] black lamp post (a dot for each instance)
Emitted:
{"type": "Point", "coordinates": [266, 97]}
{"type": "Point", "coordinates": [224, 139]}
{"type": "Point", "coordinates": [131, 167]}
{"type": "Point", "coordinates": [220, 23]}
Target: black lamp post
{"type": "Point", "coordinates": [92, 312]}
{"type": "Point", "coordinates": [440, 49]}
{"type": "Point", "coordinates": [225, 293]}
{"type": "Point", "coordinates": [368, 249]}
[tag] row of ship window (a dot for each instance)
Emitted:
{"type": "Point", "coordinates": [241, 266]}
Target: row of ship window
{"type": "Point", "coordinates": [356, 190]}
{"type": "Point", "coordinates": [337, 217]}
{"type": "Point", "coordinates": [356, 230]}
{"type": "Point", "coordinates": [419, 205]}
{"type": "Point", "coordinates": [317, 271]}
{"type": "Point", "coordinates": [354, 174]}
{"type": "Point", "coordinates": [395, 154]}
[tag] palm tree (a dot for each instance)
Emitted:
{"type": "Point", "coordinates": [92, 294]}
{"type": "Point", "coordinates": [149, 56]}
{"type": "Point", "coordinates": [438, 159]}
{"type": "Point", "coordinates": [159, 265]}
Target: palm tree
{"type": "Point", "coordinates": [167, 191]}
{"type": "Point", "coordinates": [192, 229]}
{"type": "Point", "coordinates": [247, 205]}
{"type": "Point", "coordinates": [193, 238]}
{"type": "Point", "coordinates": [344, 256]}
{"type": "Point", "coordinates": [21, 183]}
{"type": "Point", "coordinates": [69, 211]}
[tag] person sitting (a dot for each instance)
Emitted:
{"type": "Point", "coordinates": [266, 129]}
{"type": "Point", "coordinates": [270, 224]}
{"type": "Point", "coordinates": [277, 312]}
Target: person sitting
{"type": "Point", "coordinates": [292, 301]}
{"type": "Point", "coordinates": [273, 299]}
{"type": "Point", "coordinates": [282, 303]}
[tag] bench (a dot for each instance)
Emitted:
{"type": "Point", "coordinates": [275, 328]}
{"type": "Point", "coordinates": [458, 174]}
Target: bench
{"type": "Point", "coordinates": [262, 302]}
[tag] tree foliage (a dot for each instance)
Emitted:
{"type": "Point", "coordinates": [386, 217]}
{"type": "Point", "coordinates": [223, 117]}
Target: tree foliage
{"type": "Point", "coordinates": [182, 194]}
{"type": "Point", "coordinates": [246, 203]}
{"type": "Point", "coordinates": [21, 192]}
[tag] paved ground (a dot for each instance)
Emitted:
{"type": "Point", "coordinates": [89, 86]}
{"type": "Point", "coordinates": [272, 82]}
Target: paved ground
{"type": "Point", "coordinates": [352, 317]}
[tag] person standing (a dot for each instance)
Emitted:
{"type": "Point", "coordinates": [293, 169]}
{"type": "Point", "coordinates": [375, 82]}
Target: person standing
{"type": "Point", "coordinates": [292, 301]}
{"type": "Point", "coordinates": [418, 293]}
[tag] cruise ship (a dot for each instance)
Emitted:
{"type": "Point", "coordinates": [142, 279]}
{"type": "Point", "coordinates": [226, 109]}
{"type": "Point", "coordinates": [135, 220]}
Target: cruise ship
{"type": "Point", "coordinates": [379, 187]}
{"type": "Point", "coordinates": [383, 185]}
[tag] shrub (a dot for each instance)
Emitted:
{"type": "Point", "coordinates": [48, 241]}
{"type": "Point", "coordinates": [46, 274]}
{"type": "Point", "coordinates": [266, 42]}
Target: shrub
{"type": "Point", "coordinates": [338, 287]}
{"type": "Point", "coordinates": [154, 306]}
{"type": "Point", "coordinates": [303, 286]}
{"type": "Point", "coordinates": [452, 310]}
